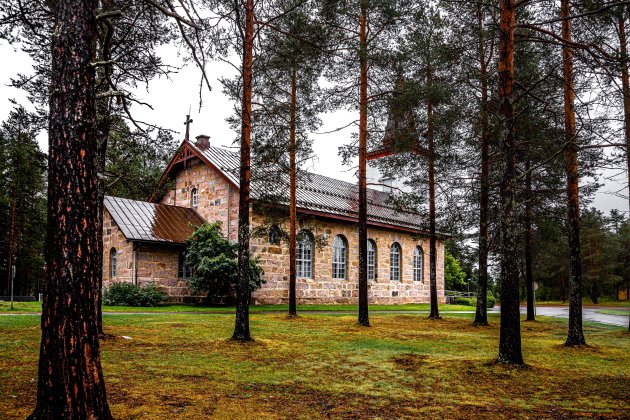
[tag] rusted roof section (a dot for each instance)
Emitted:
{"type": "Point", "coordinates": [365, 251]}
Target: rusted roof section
{"type": "Point", "coordinates": [318, 193]}
{"type": "Point", "coordinates": [151, 222]}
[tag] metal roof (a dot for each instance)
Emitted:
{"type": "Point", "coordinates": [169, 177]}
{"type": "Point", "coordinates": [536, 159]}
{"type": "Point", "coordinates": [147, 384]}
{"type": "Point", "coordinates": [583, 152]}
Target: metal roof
{"type": "Point", "coordinates": [316, 192]}
{"type": "Point", "coordinates": [151, 222]}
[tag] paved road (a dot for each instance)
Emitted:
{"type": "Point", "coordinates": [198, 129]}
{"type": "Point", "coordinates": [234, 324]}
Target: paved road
{"type": "Point", "coordinates": [588, 313]}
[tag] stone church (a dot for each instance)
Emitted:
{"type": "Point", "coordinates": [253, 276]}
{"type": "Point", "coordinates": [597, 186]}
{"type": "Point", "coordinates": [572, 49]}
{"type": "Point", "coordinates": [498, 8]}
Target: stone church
{"type": "Point", "coordinates": [144, 241]}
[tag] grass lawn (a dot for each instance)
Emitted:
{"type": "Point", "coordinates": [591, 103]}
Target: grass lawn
{"type": "Point", "coordinates": [323, 365]}
{"type": "Point", "coordinates": [614, 311]}
{"type": "Point", "coordinates": [37, 307]}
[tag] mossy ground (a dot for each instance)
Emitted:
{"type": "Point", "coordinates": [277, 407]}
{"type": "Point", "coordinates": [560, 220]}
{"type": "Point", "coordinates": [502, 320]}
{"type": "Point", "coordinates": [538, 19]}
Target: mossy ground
{"type": "Point", "coordinates": [323, 365]}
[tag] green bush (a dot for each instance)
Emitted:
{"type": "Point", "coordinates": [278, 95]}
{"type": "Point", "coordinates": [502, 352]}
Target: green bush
{"type": "Point", "coordinates": [127, 294]}
{"type": "Point", "coordinates": [214, 262]}
{"type": "Point", "coordinates": [490, 301]}
{"type": "Point", "coordinates": [465, 301]}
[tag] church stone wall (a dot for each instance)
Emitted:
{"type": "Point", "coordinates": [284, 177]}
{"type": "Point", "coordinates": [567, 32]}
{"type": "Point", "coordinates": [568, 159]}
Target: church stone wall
{"type": "Point", "coordinates": [217, 199]}
{"type": "Point", "coordinates": [158, 264]}
{"type": "Point", "coordinates": [113, 238]}
{"type": "Point", "coordinates": [322, 288]}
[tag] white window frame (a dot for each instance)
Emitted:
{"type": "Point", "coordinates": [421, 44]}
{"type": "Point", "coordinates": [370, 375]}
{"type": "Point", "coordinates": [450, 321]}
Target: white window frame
{"type": "Point", "coordinates": [395, 261]}
{"type": "Point", "coordinates": [113, 262]}
{"type": "Point", "coordinates": [340, 258]}
{"type": "Point", "coordinates": [304, 255]}
{"type": "Point", "coordinates": [371, 260]}
{"type": "Point", "coordinates": [194, 197]}
{"type": "Point", "coordinates": [418, 262]}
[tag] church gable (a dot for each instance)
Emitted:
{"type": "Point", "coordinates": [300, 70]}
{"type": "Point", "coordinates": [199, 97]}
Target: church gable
{"type": "Point", "coordinates": [317, 194]}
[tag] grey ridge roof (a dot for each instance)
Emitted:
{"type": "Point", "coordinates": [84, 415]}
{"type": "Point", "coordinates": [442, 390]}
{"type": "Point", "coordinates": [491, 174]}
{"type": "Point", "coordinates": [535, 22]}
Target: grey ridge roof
{"type": "Point", "coordinates": [151, 222]}
{"type": "Point", "coordinates": [318, 193]}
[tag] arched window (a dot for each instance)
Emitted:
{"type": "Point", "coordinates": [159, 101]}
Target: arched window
{"type": "Point", "coordinates": [185, 272]}
{"type": "Point", "coordinates": [274, 235]}
{"type": "Point", "coordinates": [371, 260]}
{"type": "Point", "coordinates": [340, 252]}
{"type": "Point", "coordinates": [417, 263]}
{"type": "Point", "coordinates": [194, 197]}
{"type": "Point", "coordinates": [113, 262]}
{"type": "Point", "coordinates": [304, 255]}
{"type": "Point", "coordinates": [394, 262]}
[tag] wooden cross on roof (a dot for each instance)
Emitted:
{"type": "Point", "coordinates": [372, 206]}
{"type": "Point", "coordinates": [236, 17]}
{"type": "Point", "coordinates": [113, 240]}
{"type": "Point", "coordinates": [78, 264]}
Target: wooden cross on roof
{"type": "Point", "coordinates": [188, 121]}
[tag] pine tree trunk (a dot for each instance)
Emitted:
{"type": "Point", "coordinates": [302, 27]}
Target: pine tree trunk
{"type": "Point", "coordinates": [575, 335]}
{"type": "Point", "coordinates": [363, 109]}
{"type": "Point", "coordinates": [529, 275]}
{"type": "Point", "coordinates": [625, 81]}
{"type": "Point", "coordinates": [71, 381]}
{"type": "Point", "coordinates": [11, 241]}
{"type": "Point", "coordinates": [292, 200]}
{"type": "Point", "coordinates": [241, 329]}
{"type": "Point", "coordinates": [103, 126]}
{"type": "Point", "coordinates": [435, 313]}
{"type": "Point", "coordinates": [510, 332]}
{"type": "Point", "coordinates": [481, 312]}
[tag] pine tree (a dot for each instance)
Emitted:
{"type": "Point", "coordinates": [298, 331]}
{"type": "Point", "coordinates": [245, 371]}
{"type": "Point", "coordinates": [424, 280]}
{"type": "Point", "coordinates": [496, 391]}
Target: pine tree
{"type": "Point", "coordinates": [510, 334]}
{"type": "Point", "coordinates": [22, 190]}
{"type": "Point", "coordinates": [359, 62]}
{"type": "Point", "coordinates": [71, 381]}
{"type": "Point", "coordinates": [286, 88]}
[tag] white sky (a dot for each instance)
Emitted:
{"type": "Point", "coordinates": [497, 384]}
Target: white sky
{"type": "Point", "coordinates": [171, 99]}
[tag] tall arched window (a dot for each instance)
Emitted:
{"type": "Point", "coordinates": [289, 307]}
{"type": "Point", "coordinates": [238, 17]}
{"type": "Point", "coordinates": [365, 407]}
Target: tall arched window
{"type": "Point", "coordinates": [340, 252]}
{"type": "Point", "coordinates": [274, 235]}
{"type": "Point", "coordinates": [371, 260]}
{"type": "Point", "coordinates": [185, 272]}
{"type": "Point", "coordinates": [394, 262]}
{"type": "Point", "coordinates": [417, 263]}
{"type": "Point", "coordinates": [304, 255]}
{"type": "Point", "coordinates": [113, 262]}
{"type": "Point", "coordinates": [194, 197]}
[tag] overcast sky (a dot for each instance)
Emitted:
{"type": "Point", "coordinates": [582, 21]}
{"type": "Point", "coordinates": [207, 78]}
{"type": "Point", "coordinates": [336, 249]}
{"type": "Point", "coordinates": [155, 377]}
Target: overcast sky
{"type": "Point", "coordinates": [172, 98]}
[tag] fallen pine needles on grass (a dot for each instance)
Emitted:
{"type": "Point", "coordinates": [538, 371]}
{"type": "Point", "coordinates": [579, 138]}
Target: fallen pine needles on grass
{"type": "Point", "coordinates": [316, 365]}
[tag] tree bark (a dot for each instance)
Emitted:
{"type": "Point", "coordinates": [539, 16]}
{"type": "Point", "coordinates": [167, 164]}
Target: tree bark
{"type": "Point", "coordinates": [363, 109]}
{"type": "Point", "coordinates": [11, 241]}
{"type": "Point", "coordinates": [575, 334]}
{"type": "Point", "coordinates": [103, 126]}
{"type": "Point", "coordinates": [529, 275]}
{"type": "Point", "coordinates": [292, 200]}
{"type": "Point", "coordinates": [510, 331]}
{"type": "Point", "coordinates": [71, 381]}
{"type": "Point", "coordinates": [625, 81]}
{"type": "Point", "coordinates": [435, 313]}
{"type": "Point", "coordinates": [241, 329]}
{"type": "Point", "coordinates": [481, 312]}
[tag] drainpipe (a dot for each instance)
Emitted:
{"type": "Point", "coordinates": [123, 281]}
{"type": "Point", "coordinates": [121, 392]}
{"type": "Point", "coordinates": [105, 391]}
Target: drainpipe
{"type": "Point", "coordinates": [134, 277]}
{"type": "Point", "coordinates": [228, 210]}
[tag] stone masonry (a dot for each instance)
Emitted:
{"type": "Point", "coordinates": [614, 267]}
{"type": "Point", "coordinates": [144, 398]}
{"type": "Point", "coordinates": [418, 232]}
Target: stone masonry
{"type": "Point", "coordinates": [322, 288]}
{"type": "Point", "coordinates": [217, 198]}
{"type": "Point", "coordinates": [218, 201]}
{"type": "Point", "coordinates": [155, 263]}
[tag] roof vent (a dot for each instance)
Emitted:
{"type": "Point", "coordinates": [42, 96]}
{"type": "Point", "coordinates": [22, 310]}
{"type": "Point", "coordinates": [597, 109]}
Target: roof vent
{"type": "Point", "coordinates": [203, 141]}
